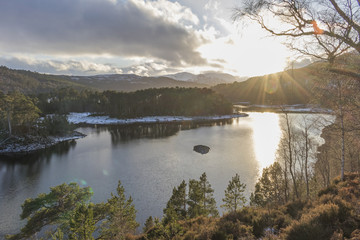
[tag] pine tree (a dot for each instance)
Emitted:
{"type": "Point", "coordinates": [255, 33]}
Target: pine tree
{"type": "Point", "coordinates": [121, 216]}
{"type": "Point", "coordinates": [201, 200]}
{"type": "Point", "coordinates": [270, 187]}
{"type": "Point", "coordinates": [54, 208]}
{"type": "Point", "coordinates": [234, 195]}
{"type": "Point", "coordinates": [82, 224]}
{"type": "Point", "coordinates": [209, 203]}
{"type": "Point", "coordinates": [149, 223]}
{"type": "Point", "coordinates": [177, 202]}
{"type": "Point", "coordinates": [195, 199]}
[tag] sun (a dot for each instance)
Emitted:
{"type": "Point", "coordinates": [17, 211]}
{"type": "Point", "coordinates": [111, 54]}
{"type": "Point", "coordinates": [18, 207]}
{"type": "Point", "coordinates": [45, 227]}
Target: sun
{"type": "Point", "coordinates": [250, 53]}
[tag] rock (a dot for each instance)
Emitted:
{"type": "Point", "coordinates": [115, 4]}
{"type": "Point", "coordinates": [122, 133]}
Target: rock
{"type": "Point", "coordinates": [201, 149]}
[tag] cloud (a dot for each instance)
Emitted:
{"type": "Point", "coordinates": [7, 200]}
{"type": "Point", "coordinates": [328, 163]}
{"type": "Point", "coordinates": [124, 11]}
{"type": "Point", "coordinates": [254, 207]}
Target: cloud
{"type": "Point", "coordinates": [153, 29]}
{"type": "Point", "coordinates": [150, 69]}
{"type": "Point", "coordinates": [59, 67]}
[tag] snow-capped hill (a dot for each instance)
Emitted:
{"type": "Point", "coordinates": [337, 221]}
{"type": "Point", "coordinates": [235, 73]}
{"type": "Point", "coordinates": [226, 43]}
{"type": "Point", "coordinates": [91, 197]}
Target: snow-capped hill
{"type": "Point", "coordinates": [130, 82]}
{"type": "Point", "coordinates": [182, 76]}
{"type": "Point", "coordinates": [109, 77]}
{"type": "Point", "coordinates": [209, 78]}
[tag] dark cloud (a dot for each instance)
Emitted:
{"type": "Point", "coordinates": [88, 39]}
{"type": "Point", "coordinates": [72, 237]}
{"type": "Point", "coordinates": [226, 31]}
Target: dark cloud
{"type": "Point", "coordinates": [119, 28]}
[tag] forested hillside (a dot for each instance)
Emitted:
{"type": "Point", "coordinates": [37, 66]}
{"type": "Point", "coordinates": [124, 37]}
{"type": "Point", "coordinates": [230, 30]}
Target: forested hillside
{"type": "Point", "coordinates": [32, 82]}
{"type": "Point", "coordinates": [293, 86]}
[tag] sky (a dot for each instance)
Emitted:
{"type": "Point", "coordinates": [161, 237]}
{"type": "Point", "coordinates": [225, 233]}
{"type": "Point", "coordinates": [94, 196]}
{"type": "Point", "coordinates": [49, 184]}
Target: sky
{"type": "Point", "coordinates": [144, 37]}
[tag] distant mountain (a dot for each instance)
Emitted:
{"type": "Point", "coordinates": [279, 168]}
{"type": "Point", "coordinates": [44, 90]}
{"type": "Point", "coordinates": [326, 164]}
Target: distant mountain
{"type": "Point", "coordinates": [182, 76]}
{"type": "Point", "coordinates": [209, 78]}
{"type": "Point", "coordinates": [130, 82]}
{"type": "Point", "coordinates": [33, 82]}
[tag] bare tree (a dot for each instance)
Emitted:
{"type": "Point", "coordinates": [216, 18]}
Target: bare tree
{"type": "Point", "coordinates": [335, 19]}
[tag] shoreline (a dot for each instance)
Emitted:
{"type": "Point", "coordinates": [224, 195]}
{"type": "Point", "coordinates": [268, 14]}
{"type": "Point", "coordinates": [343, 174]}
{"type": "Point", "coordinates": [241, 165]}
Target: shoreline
{"type": "Point", "coordinates": [87, 118]}
{"type": "Point", "coordinates": [28, 144]}
{"type": "Point", "coordinates": [295, 108]}
{"type": "Point", "coordinates": [22, 145]}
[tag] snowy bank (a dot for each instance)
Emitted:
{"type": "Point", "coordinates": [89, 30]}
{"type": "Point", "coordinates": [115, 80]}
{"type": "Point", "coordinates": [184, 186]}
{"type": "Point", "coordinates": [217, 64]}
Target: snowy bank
{"type": "Point", "coordinates": [87, 118]}
{"type": "Point", "coordinates": [28, 144]}
{"type": "Point", "coordinates": [295, 108]}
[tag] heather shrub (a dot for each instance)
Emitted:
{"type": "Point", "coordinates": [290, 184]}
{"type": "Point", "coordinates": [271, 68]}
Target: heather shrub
{"type": "Point", "coordinates": [318, 223]}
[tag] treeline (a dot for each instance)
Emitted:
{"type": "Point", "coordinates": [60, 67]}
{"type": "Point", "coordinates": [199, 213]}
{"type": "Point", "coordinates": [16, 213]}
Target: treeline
{"type": "Point", "coordinates": [20, 115]}
{"type": "Point", "coordinates": [67, 213]}
{"type": "Point", "coordinates": [149, 102]}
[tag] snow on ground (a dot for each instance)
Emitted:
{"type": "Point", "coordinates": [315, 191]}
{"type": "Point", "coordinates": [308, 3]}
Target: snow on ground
{"type": "Point", "coordinates": [295, 108]}
{"type": "Point", "coordinates": [88, 119]}
{"type": "Point", "coordinates": [30, 144]}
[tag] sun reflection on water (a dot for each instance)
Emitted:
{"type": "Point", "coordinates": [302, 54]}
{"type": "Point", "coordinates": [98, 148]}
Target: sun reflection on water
{"type": "Point", "coordinates": [266, 137]}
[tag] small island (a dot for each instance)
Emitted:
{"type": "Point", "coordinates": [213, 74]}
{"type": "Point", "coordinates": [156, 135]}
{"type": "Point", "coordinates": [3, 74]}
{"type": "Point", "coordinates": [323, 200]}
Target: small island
{"type": "Point", "coordinates": [201, 149]}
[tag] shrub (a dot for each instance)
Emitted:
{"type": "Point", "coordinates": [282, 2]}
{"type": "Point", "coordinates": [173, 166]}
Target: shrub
{"type": "Point", "coordinates": [294, 209]}
{"type": "Point", "coordinates": [319, 223]}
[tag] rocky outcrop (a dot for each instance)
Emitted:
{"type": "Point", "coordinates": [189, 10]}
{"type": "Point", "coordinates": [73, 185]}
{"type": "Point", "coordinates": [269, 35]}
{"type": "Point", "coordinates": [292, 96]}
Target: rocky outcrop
{"type": "Point", "coordinates": [28, 144]}
{"type": "Point", "coordinates": [201, 149]}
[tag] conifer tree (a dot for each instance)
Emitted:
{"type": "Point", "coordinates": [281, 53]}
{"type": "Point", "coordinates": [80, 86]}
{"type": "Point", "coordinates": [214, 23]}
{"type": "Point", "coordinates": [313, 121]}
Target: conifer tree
{"type": "Point", "coordinates": [209, 203]}
{"type": "Point", "coordinates": [149, 223]}
{"type": "Point", "coordinates": [121, 216]}
{"type": "Point", "coordinates": [234, 195]}
{"type": "Point", "coordinates": [178, 201]}
{"type": "Point", "coordinates": [54, 208]}
{"type": "Point", "coordinates": [82, 224]}
{"type": "Point", "coordinates": [195, 199]}
{"type": "Point", "coordinates": [201, 200]}
{"type": "Point", "coordinates": [270, 187]}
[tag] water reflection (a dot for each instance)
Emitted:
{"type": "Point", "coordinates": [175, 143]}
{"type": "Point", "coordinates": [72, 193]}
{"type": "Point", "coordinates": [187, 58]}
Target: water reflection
{"type": "Point", "coordinates": [41, 155]}
{"type": "Point", "coordinates": [266, 137]}
{"type": "Point", "coordinates": [121, 134]}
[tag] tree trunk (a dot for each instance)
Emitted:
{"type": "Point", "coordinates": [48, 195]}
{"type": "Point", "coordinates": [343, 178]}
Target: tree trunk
{"type": "Point", "coordinates": [286, 182]}
{"type": "Point", "coordinates": [342, 130]}
{"type": "Point", "coordinates": [342, 146]}
{"type": "Point", "coordinates": [9, 124]}
{"type": "Point", "coordinates": [307, 143]}
{"type": "Point", "coordinates": [291, 155]}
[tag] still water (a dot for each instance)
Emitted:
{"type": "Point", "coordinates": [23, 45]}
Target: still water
{"type": "Point", "coordinates": [149, 160]}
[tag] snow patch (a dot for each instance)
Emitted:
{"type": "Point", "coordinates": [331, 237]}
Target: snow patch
{"type": "Point", "coordinates": [87, 118]}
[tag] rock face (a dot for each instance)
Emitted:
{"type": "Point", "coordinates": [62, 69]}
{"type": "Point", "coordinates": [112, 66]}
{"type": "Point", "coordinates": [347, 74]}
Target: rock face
{"type": "Point", "coordinates": [201, 149]}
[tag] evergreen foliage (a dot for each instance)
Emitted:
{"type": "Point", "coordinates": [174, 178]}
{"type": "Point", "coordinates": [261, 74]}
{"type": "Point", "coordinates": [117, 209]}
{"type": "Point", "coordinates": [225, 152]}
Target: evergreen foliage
{"type": "Point", "coordinates": [269, 189]}
{"type": "Point", "coordinates": [149, 223]}
{"type": "Point", "coordinates": [234, 195]}
{"type": "Point", "coordinates": [67, 213]}
{"type": "Point", "coordinates": [120, 216]}
{"type": "Point", "coordinates": [149, 102]}
{"type": "Point", "coordinates": [52, 209]}
{"type": "Point", "coordinates": [201, 200]}
{"type": "Point", "coordinates": [18, 112]}
{"type": "Point", "coordinates": [82, 223]}
{"type": "Point", "coordinates": [178, 201]}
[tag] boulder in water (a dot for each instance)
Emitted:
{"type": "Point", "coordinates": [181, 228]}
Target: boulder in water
{"type": "Point", "coordinates": [201, 149]}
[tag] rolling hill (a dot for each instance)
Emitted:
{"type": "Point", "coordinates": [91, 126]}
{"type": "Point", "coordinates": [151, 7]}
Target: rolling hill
{"type": "Point", "coordinates": [293, 86]}
{"type": "Point", "coordinates": [33, 82]}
